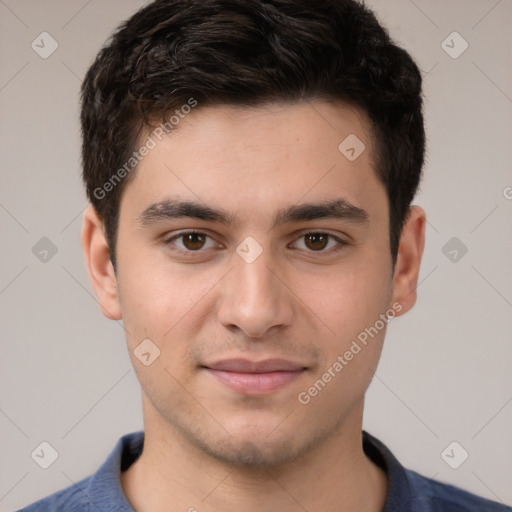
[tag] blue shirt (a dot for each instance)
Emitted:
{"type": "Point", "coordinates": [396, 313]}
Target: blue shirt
{"type": "Point", "coordinates": [408, 491]}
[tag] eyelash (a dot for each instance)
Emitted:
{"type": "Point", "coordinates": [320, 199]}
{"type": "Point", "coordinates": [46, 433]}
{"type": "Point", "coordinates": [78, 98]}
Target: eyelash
{"type": "Point", "coordinates": [187, 252]}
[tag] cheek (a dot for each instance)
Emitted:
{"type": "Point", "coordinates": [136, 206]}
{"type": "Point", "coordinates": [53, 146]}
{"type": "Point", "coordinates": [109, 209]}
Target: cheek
{"type": "Point", "coordinates": [150, 301]}
{"type": "Point", "coordinates": [351, 342]}
{"type": "Point", "coordinates": [355, 305]}
{"type": "Point", "coordinates": [348, 300]}
{"type": "Point", "coordinates": [161, 301]}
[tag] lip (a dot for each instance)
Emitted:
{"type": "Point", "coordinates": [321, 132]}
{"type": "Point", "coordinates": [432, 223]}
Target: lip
{"type": "Point", "coordinates": [255, 377]}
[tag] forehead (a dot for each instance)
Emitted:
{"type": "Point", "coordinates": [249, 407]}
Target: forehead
{"type": "Point", "coordinates": [260, 159]}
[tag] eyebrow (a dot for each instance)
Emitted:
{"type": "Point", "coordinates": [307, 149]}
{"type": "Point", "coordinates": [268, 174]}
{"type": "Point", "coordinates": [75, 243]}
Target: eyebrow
{"type": "Point", "coordinates": [169, 209]}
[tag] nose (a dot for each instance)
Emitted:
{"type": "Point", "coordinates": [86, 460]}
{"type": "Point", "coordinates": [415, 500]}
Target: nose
{"type": "Point", "coordinates": [254, 297]}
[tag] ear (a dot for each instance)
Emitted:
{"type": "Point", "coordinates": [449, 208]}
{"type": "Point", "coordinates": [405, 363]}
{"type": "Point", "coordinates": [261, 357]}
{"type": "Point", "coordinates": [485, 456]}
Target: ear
{"type": "Point", "coordinates": [407, 266]}
{"type": "Point", "coordinates": [99, 266]}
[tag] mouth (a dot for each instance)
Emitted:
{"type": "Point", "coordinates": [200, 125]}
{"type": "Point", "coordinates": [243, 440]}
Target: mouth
{"type": "Point", "coordinates": [255, 378]}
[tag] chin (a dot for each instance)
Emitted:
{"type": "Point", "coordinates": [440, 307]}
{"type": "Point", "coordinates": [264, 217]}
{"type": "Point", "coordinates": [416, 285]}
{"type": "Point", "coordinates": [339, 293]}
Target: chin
{"type": "Point", "coordinates": [253, 454]}
{"type": "Point", "coordinates": [258, 448]}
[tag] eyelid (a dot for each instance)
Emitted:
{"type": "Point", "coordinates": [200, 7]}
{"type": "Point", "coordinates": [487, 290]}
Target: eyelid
{"type": "Point", "coordinates": [308, 231]}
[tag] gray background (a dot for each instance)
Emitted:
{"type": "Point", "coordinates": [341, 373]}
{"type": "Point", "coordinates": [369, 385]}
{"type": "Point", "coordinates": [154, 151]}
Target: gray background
{"type": "Point", "coordinates": [445, 373]}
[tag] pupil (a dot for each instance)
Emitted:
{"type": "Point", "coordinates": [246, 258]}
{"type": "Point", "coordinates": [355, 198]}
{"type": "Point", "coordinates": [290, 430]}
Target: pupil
{"type": "Point", "coordinates": [317, 238]}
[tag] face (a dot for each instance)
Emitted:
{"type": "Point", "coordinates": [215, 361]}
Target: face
{"type": "Point", "coordinates": [269, 298]}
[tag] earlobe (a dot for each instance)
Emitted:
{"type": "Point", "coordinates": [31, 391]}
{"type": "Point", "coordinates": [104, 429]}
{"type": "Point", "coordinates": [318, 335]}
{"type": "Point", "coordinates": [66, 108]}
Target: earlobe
{"type": "Point", "coordinates": [99, 266]}
{"type": "Point", "coordinates": [407, 267]}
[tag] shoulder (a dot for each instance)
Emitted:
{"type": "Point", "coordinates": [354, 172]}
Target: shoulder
{"type": "Point", "coordinates": [442, 497]}
{"type": "Point", "coordinates": [100, 491]}
{"type": "Point", "coordinates": [71, 499]}
{"type": "Point", "coordinates": [408, 491]}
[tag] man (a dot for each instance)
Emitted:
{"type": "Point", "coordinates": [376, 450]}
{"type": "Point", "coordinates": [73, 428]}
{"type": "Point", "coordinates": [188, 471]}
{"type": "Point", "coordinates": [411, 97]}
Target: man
{"type": "Point", "coordinates": [251, 167]}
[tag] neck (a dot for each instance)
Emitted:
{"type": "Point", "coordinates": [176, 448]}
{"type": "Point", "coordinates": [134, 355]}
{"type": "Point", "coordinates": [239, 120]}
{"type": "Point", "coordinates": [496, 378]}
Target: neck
{"type": "Point", "coordinates": [172, 474]}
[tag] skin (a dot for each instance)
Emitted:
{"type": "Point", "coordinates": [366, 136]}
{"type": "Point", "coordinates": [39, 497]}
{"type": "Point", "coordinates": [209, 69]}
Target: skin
{"type": "Point", "coordinates": [208, 447]}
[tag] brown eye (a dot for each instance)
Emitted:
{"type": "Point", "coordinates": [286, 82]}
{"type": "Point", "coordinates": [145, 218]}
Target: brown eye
{"type": "Point", "coordinates": [188, 242]}
{"type": "Point", "coordinates": [319, 242]}
{"type": "Point", "coordinates": [316, 241]}
{"type": "Point", "coordinates": [193, 241]}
